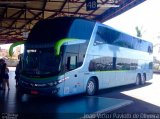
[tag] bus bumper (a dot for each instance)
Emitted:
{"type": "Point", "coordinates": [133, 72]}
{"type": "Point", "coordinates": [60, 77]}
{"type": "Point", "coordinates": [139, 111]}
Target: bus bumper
{"type": "Point", "coordinates": [33, 90]}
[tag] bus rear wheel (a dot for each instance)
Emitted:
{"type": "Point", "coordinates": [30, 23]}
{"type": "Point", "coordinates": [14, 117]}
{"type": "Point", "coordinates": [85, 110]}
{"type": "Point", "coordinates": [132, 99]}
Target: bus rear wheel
{"type": "Point", "coordinates": [138, 80]}
{"type": "Point", "coordinates": [91, 88]}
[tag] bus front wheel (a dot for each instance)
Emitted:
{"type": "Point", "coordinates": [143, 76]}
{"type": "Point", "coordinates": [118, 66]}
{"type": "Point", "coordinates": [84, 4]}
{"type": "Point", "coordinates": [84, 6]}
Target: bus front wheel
{"type": "Point", "coordinates": [91, 87]}
{"type": "Point", "coordinates": [143, 80]}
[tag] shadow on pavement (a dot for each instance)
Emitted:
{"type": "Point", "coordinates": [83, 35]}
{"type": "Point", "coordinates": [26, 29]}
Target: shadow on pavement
{"type": "Point", "coordinates": [138, 106]}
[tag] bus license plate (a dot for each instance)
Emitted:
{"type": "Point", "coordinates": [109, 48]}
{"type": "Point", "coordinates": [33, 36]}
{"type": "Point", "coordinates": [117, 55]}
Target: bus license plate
{"type": "Point", "coordinates": [34, 92]}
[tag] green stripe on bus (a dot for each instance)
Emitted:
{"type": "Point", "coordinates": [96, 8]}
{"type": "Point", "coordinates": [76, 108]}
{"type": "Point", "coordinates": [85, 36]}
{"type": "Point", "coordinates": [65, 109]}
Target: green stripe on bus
{"type": "Point", "coordinates": [48, 78]}
{"type": "Point", "coordinates": [59, 43]}
{"type": "Point", "coordinates": [14, 45]}
{"type": "Point", "coordinates": [113, 71]}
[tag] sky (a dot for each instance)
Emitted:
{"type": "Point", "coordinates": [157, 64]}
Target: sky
{"type": "Point", "coordinates": [145, 15]}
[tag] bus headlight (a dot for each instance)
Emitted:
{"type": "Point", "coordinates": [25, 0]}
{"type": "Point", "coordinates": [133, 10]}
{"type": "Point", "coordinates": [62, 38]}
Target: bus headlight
{"type": "Point", "coordinates": [63, 79]}
{"type": "Point", "coordinates": [57, 81]}
{"type": "Point", "coordinates": [51, 83]}
{"type": "Point", "coordinates": [60, 80]}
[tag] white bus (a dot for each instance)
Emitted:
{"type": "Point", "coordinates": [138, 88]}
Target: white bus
{"type": "Point", "coordinates": [66, 56]}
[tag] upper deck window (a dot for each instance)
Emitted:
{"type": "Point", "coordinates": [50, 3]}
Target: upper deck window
{"type": "Point", "coordinates": [106, 35]}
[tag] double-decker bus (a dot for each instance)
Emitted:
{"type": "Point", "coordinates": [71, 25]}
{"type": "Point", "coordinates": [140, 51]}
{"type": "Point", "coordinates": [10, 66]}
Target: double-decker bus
{"type": "Point", "coordinates": [65, 56]}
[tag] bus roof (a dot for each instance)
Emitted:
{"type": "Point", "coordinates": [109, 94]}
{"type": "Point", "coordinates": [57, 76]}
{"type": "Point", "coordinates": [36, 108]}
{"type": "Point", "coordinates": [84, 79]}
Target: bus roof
{"type": "Point", "coordinates": [47, 32]}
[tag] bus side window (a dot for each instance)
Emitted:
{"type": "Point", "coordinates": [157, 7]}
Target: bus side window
{"type": "Point", "coordinates": [71, 62]}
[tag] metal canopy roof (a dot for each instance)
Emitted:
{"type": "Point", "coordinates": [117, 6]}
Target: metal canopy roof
{"type": "Point", "coordinates": [18, 17]}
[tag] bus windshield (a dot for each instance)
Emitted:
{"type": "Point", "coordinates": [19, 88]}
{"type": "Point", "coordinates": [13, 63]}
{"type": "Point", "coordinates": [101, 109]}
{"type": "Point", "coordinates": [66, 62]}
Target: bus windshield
{"type": "Point", "coordinates": [41, 62]}
{"type": "Point", "coordinates": [39, 58]}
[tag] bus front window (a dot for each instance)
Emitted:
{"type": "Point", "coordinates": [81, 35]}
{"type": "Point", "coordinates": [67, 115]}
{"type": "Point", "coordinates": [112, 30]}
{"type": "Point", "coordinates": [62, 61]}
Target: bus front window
{"type": "Point", "coordinates": [40, 62]}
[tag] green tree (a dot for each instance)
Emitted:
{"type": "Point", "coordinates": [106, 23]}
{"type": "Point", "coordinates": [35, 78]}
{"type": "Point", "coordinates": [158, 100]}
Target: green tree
{"type": "Point", "coordinates": [139, 32]}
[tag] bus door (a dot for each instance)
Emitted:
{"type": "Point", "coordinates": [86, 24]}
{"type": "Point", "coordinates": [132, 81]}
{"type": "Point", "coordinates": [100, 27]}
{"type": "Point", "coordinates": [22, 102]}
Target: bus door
{"type": "Point", "coordinates": [73, 82]}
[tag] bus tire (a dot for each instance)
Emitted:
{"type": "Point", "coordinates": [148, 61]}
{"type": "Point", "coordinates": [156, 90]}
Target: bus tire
{"type": "Point", "coordinates": [143, 79]}
{"type": "Point", "coordinates": [138, 80]}
{"type": "Point", "coordinates": [91, 87]}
